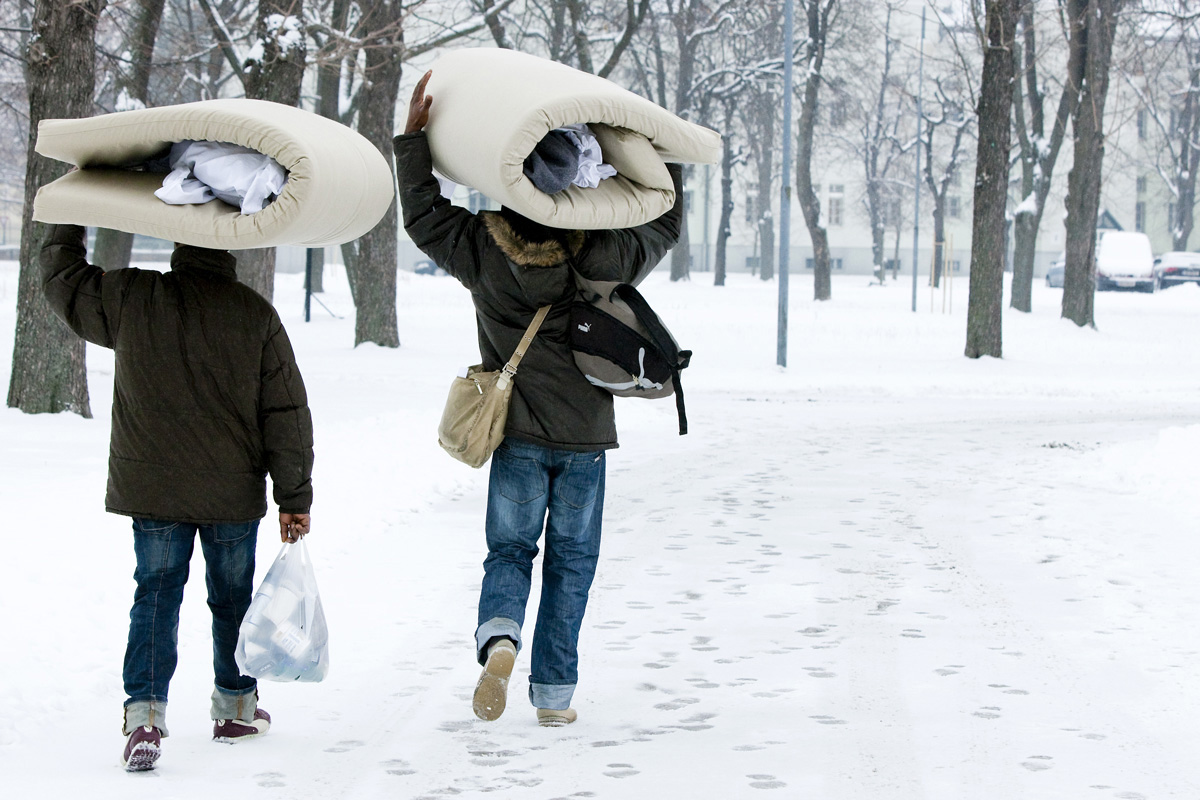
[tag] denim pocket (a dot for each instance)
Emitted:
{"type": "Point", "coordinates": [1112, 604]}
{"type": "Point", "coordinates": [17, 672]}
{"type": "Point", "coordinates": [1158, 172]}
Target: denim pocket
{"type": "Point", "coordinates": [154, 526]}
{"type": "Point", "coordinates": [576, 487]}
{"type": "Point", "coordinates": [232, 533]}
{"type": "Point", "coordinates": [519, 480]}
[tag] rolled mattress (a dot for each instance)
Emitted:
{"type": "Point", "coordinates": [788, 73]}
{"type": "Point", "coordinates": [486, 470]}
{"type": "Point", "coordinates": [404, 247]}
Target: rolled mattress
{"type": "Point", "coordinates": [491, 107]}
{"type": "Point", "coordinates": [339, 185]}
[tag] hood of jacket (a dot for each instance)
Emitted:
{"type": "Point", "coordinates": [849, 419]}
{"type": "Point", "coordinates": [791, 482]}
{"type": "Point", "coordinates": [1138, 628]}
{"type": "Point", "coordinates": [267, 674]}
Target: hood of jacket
{"type": "Point", "coordinates": [541, 268]}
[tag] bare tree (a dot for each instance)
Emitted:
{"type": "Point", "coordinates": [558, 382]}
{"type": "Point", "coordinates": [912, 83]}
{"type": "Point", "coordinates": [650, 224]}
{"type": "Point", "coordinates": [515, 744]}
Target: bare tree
{"type": "Point", "coordinates": [1038, 155]}
{"type": "Point", "coordinates": [1092, 26]}
{"type": "Point", "coordinates": [985, 305]}
{"type": "Point", "coordinates": [132, 90]}
{"type": "Point", "coordinates": [820, 15]}
{"type": "Point", "coordinates": [48, 369]}
{"type": "Point", "coordinates": [942, 165]}
{"type": "Point", "coordinates": [1165, 76]}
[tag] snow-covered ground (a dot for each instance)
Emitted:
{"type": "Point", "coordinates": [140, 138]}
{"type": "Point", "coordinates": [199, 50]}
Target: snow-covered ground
{"type": "Point", "coordinates": [886, 572]}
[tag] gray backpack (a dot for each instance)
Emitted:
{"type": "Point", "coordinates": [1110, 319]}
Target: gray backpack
{"type": "Point", "coordinates": [621, 345]}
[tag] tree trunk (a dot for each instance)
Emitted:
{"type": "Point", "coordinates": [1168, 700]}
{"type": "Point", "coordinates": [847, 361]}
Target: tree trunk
{"type": "Point", "coordinates": [49, 373]}
{"type": "Point", "coordinates": [939, 240]}
{"type": "Point", "coordinates": [986, 301]}
{"type": "Point", "coordinates": [809, 204]}
{"type": "Point", "coordinates": [764, 139]}
{"type": "Point", "coordinates": [1093, 21]}
{"type": "Point", "coordinates": [726, 198]}
{"type": "Point", "coordinates": [681, 253]}
{"type": "Point", "coordinates": [375, 262]}
{"type": "Point", "coordinates": [276, 77]}
{"type": "Point", "coordinates": [112, 249]}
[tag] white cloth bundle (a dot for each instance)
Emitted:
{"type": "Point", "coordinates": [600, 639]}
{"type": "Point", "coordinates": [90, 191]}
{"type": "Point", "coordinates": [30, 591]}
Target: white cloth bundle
{"type": "Point", "coordinates": [204, 171]}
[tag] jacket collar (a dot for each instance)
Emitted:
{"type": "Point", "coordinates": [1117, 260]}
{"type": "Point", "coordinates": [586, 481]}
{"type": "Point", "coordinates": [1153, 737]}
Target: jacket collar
{"type": "Point", "coordinates": [217, 263]}
{"type": "Point", "coordinates": [526, 253]}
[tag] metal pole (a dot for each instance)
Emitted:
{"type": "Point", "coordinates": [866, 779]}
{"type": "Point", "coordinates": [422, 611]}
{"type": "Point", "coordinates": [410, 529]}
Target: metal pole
{"type": "Point", "coordinates": [785, 192]}
{"type": "Point", "coordinates": [917, 183]}
{"type": "Point", "coordinates": [707, 215]}
{"type": "Point", "coordinates": [308, 265]}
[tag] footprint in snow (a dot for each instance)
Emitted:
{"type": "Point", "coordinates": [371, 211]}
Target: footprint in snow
{"type": "Point", "coordinates": [270, 780]}
{"type": "Point", "coordinates": [621, 771]}
{"type": "Point", "coordinates": [765, 782]}
{"type": "Point", "coordinates": [398, 766]}
{"type": "Point", "coordinates": [344, 746]}
{"type": "Point", "coordinates": [1038, 763]}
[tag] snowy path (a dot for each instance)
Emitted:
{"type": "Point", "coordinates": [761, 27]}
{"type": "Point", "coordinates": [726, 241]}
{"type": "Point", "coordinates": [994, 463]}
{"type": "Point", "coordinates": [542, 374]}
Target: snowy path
{"type": "Point", "coordinates": [869, 577]}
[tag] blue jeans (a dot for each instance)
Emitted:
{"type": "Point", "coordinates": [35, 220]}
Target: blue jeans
{"type": "Point", "coordinates": [532, 487]}
{"type": "Point", "coordinates": [164, 550]}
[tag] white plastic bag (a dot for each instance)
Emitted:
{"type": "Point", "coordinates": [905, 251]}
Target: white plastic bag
{"type": "Point", "coordinates": [283, 636]}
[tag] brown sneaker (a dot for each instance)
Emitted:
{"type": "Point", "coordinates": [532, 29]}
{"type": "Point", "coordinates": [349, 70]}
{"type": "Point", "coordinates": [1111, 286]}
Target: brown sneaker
{"type": "Point", "coordinates": [142, 749]}
{"type": "Point", "coordinates": [232, 731]}
{"type": "Point", "coordinates": [491, 693]}
{"type": "Point", "coordinates": [556, 718]}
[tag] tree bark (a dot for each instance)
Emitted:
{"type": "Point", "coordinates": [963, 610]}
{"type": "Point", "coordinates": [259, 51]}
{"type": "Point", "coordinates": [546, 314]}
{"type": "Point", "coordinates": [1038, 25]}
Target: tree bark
{"type": "Point", "coordinates": [818, 12]}
{"type": "Point", "coordinates": [1093, 23]}
{"type": "Point", "coordinates": [1037, 159]}
{"type": "Point", "coordinates": [762, 142]}
{"type": "Point", "coordinates": [375, 262]}
{"type": "Point", "coordinates": [49, 373]}
{"type": "Point", "coordinates": [276, 77]}
{"type": "Point", "coordinates": [985, 304]}
{"type": "Point", "coordinates": [113, 249]}
{"type": "Point", "coordinates": [723, 227]}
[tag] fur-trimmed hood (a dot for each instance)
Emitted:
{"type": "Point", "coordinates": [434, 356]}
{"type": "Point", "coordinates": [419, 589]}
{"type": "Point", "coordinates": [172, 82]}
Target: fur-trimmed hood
{"type": "Point", "coordinates": [525, 253]}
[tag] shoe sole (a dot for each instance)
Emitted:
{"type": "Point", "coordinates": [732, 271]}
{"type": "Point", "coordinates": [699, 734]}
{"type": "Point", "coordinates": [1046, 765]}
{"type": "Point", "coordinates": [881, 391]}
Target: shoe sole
{"type": "Point", "coordinates": [143, 758]}
{"type": "Point", "coordinates": [556, 721]}
{"type": "Point", "coordinates": [491, 693]}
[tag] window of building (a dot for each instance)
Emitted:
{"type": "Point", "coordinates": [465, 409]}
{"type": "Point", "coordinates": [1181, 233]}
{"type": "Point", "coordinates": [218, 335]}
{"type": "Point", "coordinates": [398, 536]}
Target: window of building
{"type": "Point", "coordinates": [1139, 217]}
{"type": "Point", "coordinates": [956, 178]}
{"type": "Point", "coordinates": [751, 205]}
{"type": "Point", "coordinates": [1141, 184]}
{"type": "Point", "coordinates": [835, 211]}
{"type": "Point", "coordinates": [834, 263]}
{"type": "Point", "coordinates": [837, 112]}
{"type": "Point", "coordinates": [1141, 123]}
{"type": "Point", "coordinates": [953, 207]}
{"type": "Point", "coordinates": [1170, 215]}
{"type": "Point", "coordinates": [956, 266]}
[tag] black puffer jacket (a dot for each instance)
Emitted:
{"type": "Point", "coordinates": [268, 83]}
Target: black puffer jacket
{"type": "Point", "coordinates": [207, 396]}
{"type": "Point", "coordinates": [510, 277]}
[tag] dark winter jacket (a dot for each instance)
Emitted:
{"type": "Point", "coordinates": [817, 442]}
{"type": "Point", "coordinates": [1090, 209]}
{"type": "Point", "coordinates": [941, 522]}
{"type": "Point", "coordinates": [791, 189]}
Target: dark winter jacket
{"type": "Point", "coordinates": [510, 277]}
{"type": "Point", "coordinates": [207, 396]}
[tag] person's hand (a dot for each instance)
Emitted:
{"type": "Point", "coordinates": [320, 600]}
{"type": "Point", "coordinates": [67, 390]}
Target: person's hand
{"type": "Point", "coordinates": [418, 107]}
{"type": "Point", "coordinates": [292, 527]}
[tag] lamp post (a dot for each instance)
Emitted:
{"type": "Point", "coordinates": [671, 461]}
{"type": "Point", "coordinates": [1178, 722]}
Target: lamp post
{"type": "Point", "coordinates": [785, 196]}
{"type": "Point", "coordinates": [917, 182]}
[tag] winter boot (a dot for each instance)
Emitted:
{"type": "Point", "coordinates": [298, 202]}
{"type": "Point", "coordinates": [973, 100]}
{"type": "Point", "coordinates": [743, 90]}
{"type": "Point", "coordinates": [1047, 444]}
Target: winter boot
{"type": "Point", "coordinates": [491, 692]}
{"type": "Point", "coordinates": [142, 749]}
{"type": "Point", "coordinates": [232, 731]}
{"type": "Point", "coordinates": [556, 718]}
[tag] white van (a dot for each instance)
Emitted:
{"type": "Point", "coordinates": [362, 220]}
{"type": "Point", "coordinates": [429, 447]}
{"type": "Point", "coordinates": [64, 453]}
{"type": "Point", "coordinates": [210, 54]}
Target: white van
{"type": "Point", "coordinates": [1125, 260]}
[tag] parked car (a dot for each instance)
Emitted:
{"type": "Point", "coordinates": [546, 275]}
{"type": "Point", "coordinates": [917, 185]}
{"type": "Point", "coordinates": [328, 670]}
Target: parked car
{"type": "Point", "coordinates": [427, 267]}
{"type": "Point", "coordinates": [1054, 275]}
{"type": "Point", "coordinates": [1125, 260]}
{"type": "Point", "coordinates": [1174, 268]}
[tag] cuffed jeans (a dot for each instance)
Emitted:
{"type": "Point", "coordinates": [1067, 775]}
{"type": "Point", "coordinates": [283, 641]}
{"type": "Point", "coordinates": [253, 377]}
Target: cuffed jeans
{"type": "Point", "coordinates": [164, 551]}
{"type": "Point", "coordinates": [531, 488]}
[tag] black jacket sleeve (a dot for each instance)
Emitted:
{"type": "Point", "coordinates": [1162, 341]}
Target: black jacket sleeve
{"type": "Point", "coordinates": [76, 290]}
{"type": "Point", "coordinates": [286, 423]}
{"type": "Point", "coordinates": [630, 254]}
{"type": "Point", "coordinates": [444, 232]}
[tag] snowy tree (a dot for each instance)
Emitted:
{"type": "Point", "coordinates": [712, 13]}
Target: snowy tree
{"type": "Point", "coordinates": [48, 370]}
{"type": "Point", "coordinates": [1164, 73]}
{"type": "Point", "coordinates": [1038, 153]}
{"type": "Point", "coordinates": [984, 307]}
{"type": "Point", "coordinates": [1092, 25]}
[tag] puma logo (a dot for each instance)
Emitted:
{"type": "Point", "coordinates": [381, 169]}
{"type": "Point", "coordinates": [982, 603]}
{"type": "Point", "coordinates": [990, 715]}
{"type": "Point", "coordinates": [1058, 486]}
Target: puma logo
{"type": "Point", "coordinates": [585, 327]}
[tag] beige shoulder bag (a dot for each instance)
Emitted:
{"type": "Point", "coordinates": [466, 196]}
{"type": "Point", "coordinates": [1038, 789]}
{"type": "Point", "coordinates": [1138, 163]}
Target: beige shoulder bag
{"type": "Point", "coordinates": [473, 422]}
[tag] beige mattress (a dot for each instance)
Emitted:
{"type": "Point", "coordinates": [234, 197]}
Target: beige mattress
{"type": "Point", "coordinates": [339, 185]}
{"type": "Point", "coordinates": [491, 107]}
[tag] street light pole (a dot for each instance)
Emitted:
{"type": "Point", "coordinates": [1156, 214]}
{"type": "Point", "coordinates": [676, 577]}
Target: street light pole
{"type": "Point", "coordinates": [917, 182]}
{"type": "Point", "coordinates": [785, 196]}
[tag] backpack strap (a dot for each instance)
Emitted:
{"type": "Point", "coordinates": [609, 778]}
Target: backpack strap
{"type": "Point", "coordinates": [510, 369]}
{"type": "Point", "coordinates": [662, 339]}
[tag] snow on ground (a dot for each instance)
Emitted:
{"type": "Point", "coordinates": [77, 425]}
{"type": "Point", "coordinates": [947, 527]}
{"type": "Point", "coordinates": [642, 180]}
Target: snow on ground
{"type": "Point", "coordinates": [885, 572]}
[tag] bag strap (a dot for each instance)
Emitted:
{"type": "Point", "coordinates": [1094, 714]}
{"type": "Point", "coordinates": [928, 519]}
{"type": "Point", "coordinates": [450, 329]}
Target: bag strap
{"type": "Point", "coordinates": [510, 369]}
